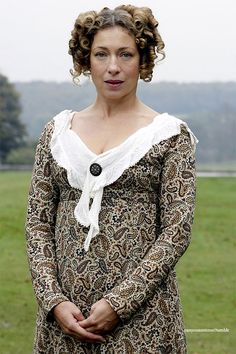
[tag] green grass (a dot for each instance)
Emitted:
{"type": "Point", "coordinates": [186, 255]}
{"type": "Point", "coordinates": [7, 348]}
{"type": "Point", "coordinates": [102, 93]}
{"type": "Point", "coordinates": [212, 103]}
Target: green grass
{"type": "Point", "coordinates": [17, 305]}
{"type": "Point", "coordinates": [205, 273]}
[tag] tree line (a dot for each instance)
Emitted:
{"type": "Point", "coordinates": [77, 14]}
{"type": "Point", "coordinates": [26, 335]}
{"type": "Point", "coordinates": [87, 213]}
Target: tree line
{"type": "Point", "coordinates": [12, 130]}
{"type": "Point", "coordinates": [208, 108]}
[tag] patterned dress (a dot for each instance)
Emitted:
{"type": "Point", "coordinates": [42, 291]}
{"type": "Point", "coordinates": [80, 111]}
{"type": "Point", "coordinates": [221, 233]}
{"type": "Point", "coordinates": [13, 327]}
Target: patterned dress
{"type": "Point", "coordinates": [145, 219]}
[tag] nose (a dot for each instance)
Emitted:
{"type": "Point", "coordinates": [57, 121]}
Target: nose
{"type": "Point", "coordinates": [113, 66]}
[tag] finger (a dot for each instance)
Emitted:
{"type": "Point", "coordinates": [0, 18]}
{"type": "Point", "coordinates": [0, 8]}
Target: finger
{"type": "Point", "coordinates": [89, 322]}
{"type": "Point", "coordinates": [93, 334]}
{"type": "Point", "coordinates": [101, 331]}
{"type": "Point", "coordinates": [86, 337]}
{"type": "Point", "coordinates": [78, 316]}
{"type": "Point", "coordinates": [83, 334]}
{"type": "Point", "coordinates": [92, 329]}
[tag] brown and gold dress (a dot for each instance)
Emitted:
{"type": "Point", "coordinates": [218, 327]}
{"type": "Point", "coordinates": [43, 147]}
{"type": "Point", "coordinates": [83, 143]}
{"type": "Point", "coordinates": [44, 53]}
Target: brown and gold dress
{"type": "Point", "coordinates": [112, 226]}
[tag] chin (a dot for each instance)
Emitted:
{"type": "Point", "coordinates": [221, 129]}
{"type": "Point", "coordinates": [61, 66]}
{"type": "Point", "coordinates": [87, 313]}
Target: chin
{"type": "Point", "coordinates": [113, 95]}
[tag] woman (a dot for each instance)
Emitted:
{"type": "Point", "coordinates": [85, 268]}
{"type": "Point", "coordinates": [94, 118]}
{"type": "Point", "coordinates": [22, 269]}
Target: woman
{"type": "Point", "coordinates": [111, 202]}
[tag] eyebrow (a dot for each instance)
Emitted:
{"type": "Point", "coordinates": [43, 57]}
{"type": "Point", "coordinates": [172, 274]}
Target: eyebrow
{"type": "Point", "coordinates": [105, 48]}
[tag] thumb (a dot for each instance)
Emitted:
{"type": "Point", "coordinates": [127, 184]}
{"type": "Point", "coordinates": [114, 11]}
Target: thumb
{"type": "Point", "coordinates": [78, 315]}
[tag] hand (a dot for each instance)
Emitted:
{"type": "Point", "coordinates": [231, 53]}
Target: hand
{"type": "Point", "coordinates": [102, 318]}
{"type": "Point", "coordinates": [68, 316]}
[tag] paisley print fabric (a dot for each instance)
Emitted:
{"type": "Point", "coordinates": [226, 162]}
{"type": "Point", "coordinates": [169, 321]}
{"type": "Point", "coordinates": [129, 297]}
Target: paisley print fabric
{"type": "Point", "coordinates": [145, 227]}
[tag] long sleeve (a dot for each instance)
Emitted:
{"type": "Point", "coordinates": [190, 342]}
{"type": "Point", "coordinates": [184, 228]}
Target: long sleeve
{"type": "Point", "coordinates": [176, 208]}
{"type": "Point", "coordinates": [40, 227]}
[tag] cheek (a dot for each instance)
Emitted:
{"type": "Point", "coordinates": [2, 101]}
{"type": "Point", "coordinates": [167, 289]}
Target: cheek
{"type": "Point", "coordinates": [132, 68]}
{"type": "Point", "coordinates": [97, 68]}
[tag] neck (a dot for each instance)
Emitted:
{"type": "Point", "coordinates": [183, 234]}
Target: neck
{"type": "Point", "coordinates": [108, 108]}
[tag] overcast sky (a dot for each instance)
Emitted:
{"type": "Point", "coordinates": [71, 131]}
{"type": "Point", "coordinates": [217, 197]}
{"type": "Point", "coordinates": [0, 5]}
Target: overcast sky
{"type": "Point", "coordinates": [200, 38]}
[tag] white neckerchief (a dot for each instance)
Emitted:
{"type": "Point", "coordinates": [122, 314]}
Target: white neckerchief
{"type": "Point", "coordinates": [71, 153]}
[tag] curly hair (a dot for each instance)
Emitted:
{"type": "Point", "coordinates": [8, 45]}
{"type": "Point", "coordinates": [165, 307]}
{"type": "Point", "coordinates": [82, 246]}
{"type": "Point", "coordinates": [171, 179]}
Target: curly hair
{"type": "Point", "coordinates": [137, 20]}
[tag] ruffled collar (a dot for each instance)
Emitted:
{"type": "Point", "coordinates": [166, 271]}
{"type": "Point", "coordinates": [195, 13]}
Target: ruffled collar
{"type": "Point", "coordinates": [83, 165]}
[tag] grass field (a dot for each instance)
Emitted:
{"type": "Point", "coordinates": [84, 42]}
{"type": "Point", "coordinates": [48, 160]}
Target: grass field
{"type": "Point", "coordinates": [206, 273]}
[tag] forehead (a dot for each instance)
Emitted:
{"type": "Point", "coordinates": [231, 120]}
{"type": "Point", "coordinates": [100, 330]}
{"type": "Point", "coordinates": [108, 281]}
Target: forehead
{"type": "Point", "coordinates": [114, 37]}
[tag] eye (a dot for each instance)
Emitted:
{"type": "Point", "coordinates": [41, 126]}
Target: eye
{"type": "Point", "coordinates": [126, 55]}
{"type": "Point", "coordinates": [100, 55]}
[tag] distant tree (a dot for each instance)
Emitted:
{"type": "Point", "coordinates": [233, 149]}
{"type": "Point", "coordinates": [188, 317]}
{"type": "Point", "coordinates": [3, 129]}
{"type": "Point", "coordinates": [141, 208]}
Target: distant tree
{"type": "Point", "coordinates": [23, 155]}
{"type": "Point", "coordinates": [12, 131]}
{"type": "Point", "coordinates": [216, 133]}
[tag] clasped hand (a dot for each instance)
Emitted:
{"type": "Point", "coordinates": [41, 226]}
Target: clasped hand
{"type": "Point", "coordinates": [101, 320]}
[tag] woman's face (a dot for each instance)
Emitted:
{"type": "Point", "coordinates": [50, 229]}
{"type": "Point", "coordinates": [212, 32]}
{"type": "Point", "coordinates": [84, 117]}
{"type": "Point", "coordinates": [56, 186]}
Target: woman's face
{"type": "Point", "coordinates": [114, 63]}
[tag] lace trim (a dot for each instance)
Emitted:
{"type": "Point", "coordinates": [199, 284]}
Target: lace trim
{"type": "Point", "coordinates": [62, 124]}
{"type": "Point", "coordinates": [113, 162]}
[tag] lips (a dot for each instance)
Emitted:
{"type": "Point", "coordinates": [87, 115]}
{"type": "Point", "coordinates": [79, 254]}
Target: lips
{"type": "Point", "coordinates": [114, 82]}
